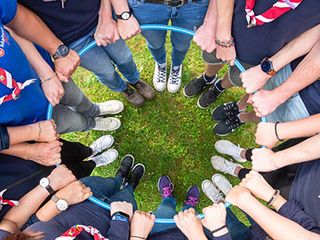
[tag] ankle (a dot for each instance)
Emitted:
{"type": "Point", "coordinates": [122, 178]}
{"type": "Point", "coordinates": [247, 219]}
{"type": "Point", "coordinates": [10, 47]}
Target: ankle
{"type": "Point", "coordinates": [209, 79]}
{"type": "Point", "coordinates": [218, 85]}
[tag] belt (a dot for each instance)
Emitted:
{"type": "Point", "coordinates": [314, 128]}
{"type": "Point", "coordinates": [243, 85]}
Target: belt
{"type": "Point", "coordinates": [171, 3]}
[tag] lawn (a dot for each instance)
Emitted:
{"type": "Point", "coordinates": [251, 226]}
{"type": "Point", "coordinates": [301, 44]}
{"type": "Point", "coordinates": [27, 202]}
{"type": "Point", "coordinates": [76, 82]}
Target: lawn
{"type": "Point", "coordinates": [170, 135]}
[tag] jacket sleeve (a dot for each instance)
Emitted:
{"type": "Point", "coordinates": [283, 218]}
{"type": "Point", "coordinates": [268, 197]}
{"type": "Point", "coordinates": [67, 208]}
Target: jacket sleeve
{"type": "Point", "coordinates": [4, 138]}
{"type": "Point", "coordinates": [227, 236]}
{"type": "Point", "coordinates": [118, 230]}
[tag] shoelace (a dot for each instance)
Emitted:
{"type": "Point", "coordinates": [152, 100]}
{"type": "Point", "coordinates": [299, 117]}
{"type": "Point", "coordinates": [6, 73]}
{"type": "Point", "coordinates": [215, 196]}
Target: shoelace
{"type": "Point", "coordinates": [192, 201]}
{"type": "Point", "coordinates": [230, 109]}
{"type": "Point", "coordinates": [161, 74]}
{"type": "Point", "coordinates": [140, 84]}
{"type": "Point", "coordinates": [129, 91]}
{"type": "Point", "coordinates": [201, 82]}
{"type": "Point", "coordinates": [175, 76]}
{"type": "Point", "coordinates": [233, 122]}
{"type": "Point", "coordinates": [166, 192]}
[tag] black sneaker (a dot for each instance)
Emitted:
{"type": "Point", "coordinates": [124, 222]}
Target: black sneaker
{"type": "Point", "coordinates": [225, 111]}
{"type": "Point", "coordinates": [227, 126]}
{"type": "Point", "coordinates": [209, 96]}
{"type": "Point", "coordinates": [196, 86]}
{"type": "Point", "coordinates": [136, 175]}
{"type": "Point", "coordinates": [126, 165]}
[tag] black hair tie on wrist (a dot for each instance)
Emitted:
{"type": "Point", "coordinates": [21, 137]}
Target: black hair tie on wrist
{"type": "Point", "coordinates": [276, 131]}
{"type": "Point", "coordinates": [218, 229]}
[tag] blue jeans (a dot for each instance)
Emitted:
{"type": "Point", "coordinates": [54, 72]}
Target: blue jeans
{"type": "Point", "coordinates": [189, 16]}
{"type": "Point", "coordinates": [102, 61]}
{"type": "Point", "coordinates": [108, 190]}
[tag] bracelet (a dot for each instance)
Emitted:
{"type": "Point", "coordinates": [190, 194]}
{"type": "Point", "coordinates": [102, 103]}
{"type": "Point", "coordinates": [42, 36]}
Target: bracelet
{"type": "Point", "coordinates": [137, 237]}
{"type": "Point", "coordinates": [276, 131]}
{"type": "Point", "coordinates": [227, 44]}
{"type": "Point", "coordinates": [49, 78]}
{"type": "Point", "coordinates": [274, 197]}
{"type": "Point", "coordinates": [218, 229]}
{"type": "Point", "coordinates": [39, 131]}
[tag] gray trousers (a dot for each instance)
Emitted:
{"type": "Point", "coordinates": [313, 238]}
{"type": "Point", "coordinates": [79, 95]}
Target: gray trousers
{"type": "Point", "coordinates": [75, 111]}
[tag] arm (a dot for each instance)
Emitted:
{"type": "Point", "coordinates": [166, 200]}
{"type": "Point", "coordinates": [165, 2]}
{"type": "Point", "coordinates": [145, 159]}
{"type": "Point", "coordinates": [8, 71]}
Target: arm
{"type": "Point", "coordinates": [141, 225]}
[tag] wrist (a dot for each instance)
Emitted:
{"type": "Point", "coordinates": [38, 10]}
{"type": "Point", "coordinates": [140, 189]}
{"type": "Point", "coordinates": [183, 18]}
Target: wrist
{"type": "Point", "coordinates": [33, 130]}
{"type": "Point", "coordinates": [221, 232]}
{"type": "Point", "coordinates": [278, 203]}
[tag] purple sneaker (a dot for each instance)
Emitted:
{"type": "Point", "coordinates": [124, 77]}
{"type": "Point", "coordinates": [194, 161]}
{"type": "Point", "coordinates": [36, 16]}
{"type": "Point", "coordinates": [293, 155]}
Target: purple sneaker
{"type": "Point", "coordinates": [193, 196]}
{"type": "Point", "coordinates": [165, 187]}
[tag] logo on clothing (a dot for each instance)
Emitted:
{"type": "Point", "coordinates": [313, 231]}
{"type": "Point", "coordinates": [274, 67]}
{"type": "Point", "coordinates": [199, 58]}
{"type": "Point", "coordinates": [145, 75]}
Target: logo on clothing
{"type": "Point", "coordinates": [3, 41]}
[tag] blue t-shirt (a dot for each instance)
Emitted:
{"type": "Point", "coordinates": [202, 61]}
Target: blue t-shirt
{"type": "Point", "coordinates": [32, 104]}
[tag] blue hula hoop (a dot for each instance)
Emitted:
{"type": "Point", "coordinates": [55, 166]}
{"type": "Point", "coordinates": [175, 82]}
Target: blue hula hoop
{"type": "Point", "coordinates": [157, 27]}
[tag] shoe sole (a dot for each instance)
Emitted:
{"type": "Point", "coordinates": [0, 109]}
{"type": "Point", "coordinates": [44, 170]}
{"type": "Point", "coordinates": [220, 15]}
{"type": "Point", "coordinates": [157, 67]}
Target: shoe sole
{"type": "Point", "coordinates": [159, 182]}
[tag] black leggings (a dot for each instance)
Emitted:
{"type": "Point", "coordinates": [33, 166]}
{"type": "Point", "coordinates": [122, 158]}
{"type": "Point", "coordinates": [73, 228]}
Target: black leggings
{"type": "Point", "coordinates": [282, 178]}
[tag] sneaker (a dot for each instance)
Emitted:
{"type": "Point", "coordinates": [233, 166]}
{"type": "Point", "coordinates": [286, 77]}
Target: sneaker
{"type": "Point", "coordinates": [136, 174]}
{"type": "Point", "coordinates": [133, 96]}
{"type": "Point", "coordinates": [222, 183]}
{"type": "Point", "coordinates": [193, 196]}
{"type": "Point", "coordinates": [126, 165]}
{"type": "Point", "coordinates": [223, 165]}
{"type": "Point", "coordinates": [209, 96]}
{"type": "Point", "coordinates": [111, 107]}
{"type": "Point", "coordinates": [101, 144]}
{"type": "Point", "coordinates": [144, 89]}
{"type": "Point", "coordinates": [227, 126]}
{"type": "Point", "coordinates": [174, 81]}
{"type": "Point", "coordinates": [160, 77]}
{"type": "Point", "coordinates": [105, 158]}
{"type": "Point", "coordinates": [210, 190]}
{"type": "Point", "coordinates": [196, 86]}
{"type": "Point", "coordinates": [228, 148]}
{"type": "Point", "coordinates": [165, 187]}
{"type": "Point", "coordinates": [225, 111]}
{"type": "Point", "coordinates": [107, 124]}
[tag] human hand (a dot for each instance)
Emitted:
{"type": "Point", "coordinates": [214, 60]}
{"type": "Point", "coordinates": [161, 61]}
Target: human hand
{"type": "Point", "coordinates": [238, 196]}
{"type": "Point", "coordinates": [141, 224]}
{"type": "Point", "coordinates": [128, 28]}
{"type": "Point", "coordinates": [106, 32]}
{"type": "Point", "coordinates": [264, 160]}
{"type": "Point", "coordinates": [53, 90]}
{"type": "Point", "coordinates": [205, 37]}
{"type": "Point", "coordinates": [258, 186]}
{"type": "Point", "coordinates": [215, 217]}
{"type": "Point", "coordinates": [65, 66]}
{"type": "Point", "coordinates": [265, 134]}
{"type": "Point", "coordinates": [121, 207]}
{"type": "Point", "coordinates": [60, 177]}
{"type": "Point", "coordinates": [75, 192]}
{"type": "Point", "coordinates": [45, 131]}
{"type": "Point", "coordinates": [47, 154]}
{"type": "Point", "coordinates": [189, 224]}
{"type": "Point", "coordinates": [254, 79]}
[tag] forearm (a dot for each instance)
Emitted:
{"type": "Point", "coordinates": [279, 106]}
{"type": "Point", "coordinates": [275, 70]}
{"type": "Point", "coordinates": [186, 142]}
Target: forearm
{"type": "Point", "coordinates": [23, 134]}
{"type": "Point", "coordinates": [20, 150]}
{"type": "Point", "coordinates": [224, 18]}
{"type": "Point", "coordinates": [212, 13]}
{"type": "Point", "coordinates": [29, 26]}
{"type": "Point", "coordinates": [120, 6]}
{"type": "Point", "coordinates": [47, 212]}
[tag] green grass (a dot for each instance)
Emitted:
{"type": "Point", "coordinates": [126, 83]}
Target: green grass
{"type": "Point", "coordinates": [170, 134]}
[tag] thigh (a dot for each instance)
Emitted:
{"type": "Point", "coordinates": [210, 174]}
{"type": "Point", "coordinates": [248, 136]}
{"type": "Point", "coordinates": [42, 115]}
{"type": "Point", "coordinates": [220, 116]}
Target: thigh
{"type": "Point", "coordinates": [118, 52]}
{"type": "Point", "coordinates": [81, 169]}
{"type": "Point", "coordinates": [74, 151]}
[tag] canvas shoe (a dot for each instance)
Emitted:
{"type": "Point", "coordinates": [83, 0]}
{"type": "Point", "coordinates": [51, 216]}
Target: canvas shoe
{"type": "Point", "coordinates": [110, 107]}
{"type": "Point", "coordinates": [228, 148]}
{"type": "Point", "coordinates": [101, 144]}
{"type": "Point", "coordinates": [223, 165]}
{"type": "Point", "coordinates": [105, 158]}
{"type": "Point", "coordinates": [107, 124]}
{"type": "Point", "coordinates": [160, 77]}
{"type": "Point", "coordinates": [136, 175]}
{"type": "Point", "coordinates": [211, 192]}
{"type": "Point", "coordinates": [209, 96]}
{"type": "Point", "coordinates": [174, 81]}
{"type": "Point", "coordinates": [221, 183]}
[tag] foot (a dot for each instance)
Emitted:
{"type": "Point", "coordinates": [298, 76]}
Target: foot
{"type": "Point", "coordinates": [225, 111]}
{"type": "Point", "coordinates": [111, 107]}
{"type": "Point", "coordinates": [193, 196]}
{"type": "Point", "coordinates": [126, 165]}
{"type": "Point", "coordinates": [136, 174]}
{"type": "Point", "coordinates": [101, 144]}
{"type": "Point", "coordinates": [165, 187]}
{"type": "Point", "coordinates": [107, 124]}
{"type": "Point", "coordinates": [105, 158]}
{"type": "Point", "coordinates": [211, 191]}
{"type": "Point", "coordinates": [196, 86]}
{"type": "Point", "coordinates": [229, 148]}
{"type": "Point", "coordinates": [160, 77]}
{"type": "Point", "coordinates": [227, 126]}
{"type": "Point", "coordinates": [222, 183]}
{"type": "Point", "coordinates": [209, 96]}
{"type": "Point", "coordinates": [133, 96]}
{"type": "Point", "coordinates": [223, 165]}
{"type": "Point", "coordinates": [174, 81]}
{"type": "Point", "coordinates": [144, 89]}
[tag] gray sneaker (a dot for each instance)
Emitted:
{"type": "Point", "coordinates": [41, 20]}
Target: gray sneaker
{"type": "Point", "coordinates": [105, 158]}
{"type": "Point", "coordinates": [223, 165]}
{"type": "Point", "coordinates": [229, 148]}
{"type": "Point", "coordinates": [211, 191]}
{"type": "Point", "coordinates": [222, 183]}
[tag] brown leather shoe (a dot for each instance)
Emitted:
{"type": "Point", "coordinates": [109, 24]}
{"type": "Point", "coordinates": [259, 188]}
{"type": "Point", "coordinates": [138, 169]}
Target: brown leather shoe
{"type": "Point", "coordinates": [144, 89]}
{"type": "Point", "coordinates": [133, 96]}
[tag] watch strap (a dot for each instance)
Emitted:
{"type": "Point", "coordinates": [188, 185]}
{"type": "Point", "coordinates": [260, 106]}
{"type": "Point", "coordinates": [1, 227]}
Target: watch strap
{"type": "Point", "coordinates": [120, 15]}
{"type": "Point", "coordinates": [50, 189]}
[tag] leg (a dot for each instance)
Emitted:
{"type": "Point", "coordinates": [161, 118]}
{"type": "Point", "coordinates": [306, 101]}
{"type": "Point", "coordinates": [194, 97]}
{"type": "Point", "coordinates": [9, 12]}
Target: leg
{"type": "Point", "coordinates": [81, 169]}
{"type": "Point", "coordinates": [126, 194]}
{"type": "Point", "coordinates": [74, 152]}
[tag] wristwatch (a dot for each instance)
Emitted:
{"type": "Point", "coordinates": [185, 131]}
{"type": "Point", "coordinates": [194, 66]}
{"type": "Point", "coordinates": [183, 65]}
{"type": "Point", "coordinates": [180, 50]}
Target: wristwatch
{"type": "Point", "coordinates": [45, 183]}
{"type": "Point", "coordinates": [120, 216]}
{"type": "Point", "coordinates": [62, 51]}
{"type": "Point", "coordinates": [61, 204]}
{"type": "Point", "coordinates": [267, 67]}
{"type": "Point", "coordinates": [125, 15]}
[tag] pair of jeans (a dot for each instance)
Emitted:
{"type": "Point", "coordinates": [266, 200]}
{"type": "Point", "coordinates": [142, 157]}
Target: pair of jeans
{"type": "Point", "coordinates": [76, 112]}
{"type": "Point", "coordinates": [103, 60]}
{"type": "Point", "coordinates": [108, 190]}
{"type": "Point", "coordinates": [190, 16]}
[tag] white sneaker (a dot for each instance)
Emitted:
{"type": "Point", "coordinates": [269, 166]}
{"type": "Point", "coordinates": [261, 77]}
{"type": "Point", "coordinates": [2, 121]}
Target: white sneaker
{"type": "Point", "coordinates": [211, 191]}
{"type": "Point", "coordinates": [174, 81]}
{"type": "Point", "coordinates": [223, 165]}
{"type": "Point", "coordinates": [160, 77]}
{"type": "Point", "coordinates": [101, 144]}
{"type": "Point", "coordinates": [110, 107]}
{"type": "Point", "coordinates": [229, 148]}
{"type": "Point", "coordinates": [222, 183]}
{"type": "Point", "coordinates": [105, 158]}
{"type": "Point", "coordinates": [107, 124]}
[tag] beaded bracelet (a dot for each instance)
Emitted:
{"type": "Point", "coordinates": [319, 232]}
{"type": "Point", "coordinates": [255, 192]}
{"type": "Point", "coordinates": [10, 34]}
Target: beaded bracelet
{"type": "Point", "coordinates": [49, 78]}
{"type": "Point", "coordinates": [227, 44]}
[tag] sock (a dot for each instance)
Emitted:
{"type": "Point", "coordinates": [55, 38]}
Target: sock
{"type": "Point", "coordinates": [176, 68]}
{"type": "Point", "coordinates": [209, 79]}
{"type": "Point", "coordinates": [162, 65]}
{"type": "Point", "coordinates": [219, 86]}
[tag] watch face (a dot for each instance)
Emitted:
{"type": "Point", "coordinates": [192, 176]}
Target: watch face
{"type": "Point", "coordinates": [63, 50]}
{"type": "Point", "coordinates": [266, 66]}
{"type": "Point", "coordinates": [44, 182]}
{"type": "Point", "coordinates": [125, 15]}
{"type": "Point", "coordinates": [62, 205]}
